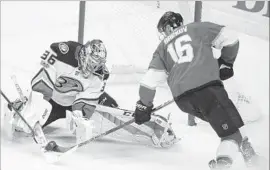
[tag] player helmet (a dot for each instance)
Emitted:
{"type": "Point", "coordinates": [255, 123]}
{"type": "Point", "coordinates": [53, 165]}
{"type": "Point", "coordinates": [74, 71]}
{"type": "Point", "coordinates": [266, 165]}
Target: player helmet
{"type": "Point", "coordinates": [168, 22]}
{"type": "Point", "coordinates": [92, 57]}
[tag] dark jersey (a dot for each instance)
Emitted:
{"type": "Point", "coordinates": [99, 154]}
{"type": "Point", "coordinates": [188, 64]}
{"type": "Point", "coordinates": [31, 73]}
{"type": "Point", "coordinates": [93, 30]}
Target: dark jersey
{"type": "Point", "coordinates": [185, 59]}
{"type": "Point", "coordinates": [67, 52]}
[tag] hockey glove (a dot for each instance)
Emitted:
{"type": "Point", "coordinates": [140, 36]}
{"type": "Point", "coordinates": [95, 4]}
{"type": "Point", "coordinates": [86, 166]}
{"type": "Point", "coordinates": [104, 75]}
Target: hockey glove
{"type": "Point", "coordinates": [142, 113]}
{"type": "Point", "coordinates": [225, 69]}
{"type": "Point", "coordinates": [106, 100]}
{"type": "Point", "coordinates": [17, 104]}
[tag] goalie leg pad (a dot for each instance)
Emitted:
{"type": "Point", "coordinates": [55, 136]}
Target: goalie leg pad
{"type": "Point", "coordinates": [164, 135]}
{"type": "Point", "coordinates": [78, 125]}
{"type": "Point", "coordinates": [158, 131]}
{"type": "Point", "coordinates": [39, 135]}
{"type": "Point", "coordinates": [8, 127]}
{"type": "Point", "coordinates": [35, 110]}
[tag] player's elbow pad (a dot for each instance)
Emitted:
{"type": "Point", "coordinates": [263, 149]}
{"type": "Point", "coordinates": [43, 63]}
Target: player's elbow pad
{"type": "Point", "coordinates": [229, 53]}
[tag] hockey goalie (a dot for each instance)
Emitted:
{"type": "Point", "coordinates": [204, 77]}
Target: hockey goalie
{"type": "Point", "coordinates": [70, 85]}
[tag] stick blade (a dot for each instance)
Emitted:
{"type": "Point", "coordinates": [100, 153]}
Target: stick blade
{"type": "Point", "coordinates": [57, 153]}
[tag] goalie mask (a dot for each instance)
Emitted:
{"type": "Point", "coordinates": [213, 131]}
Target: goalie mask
{"type": "Point", "coordinates": [168, 22]}
{"type": "Point", "coordinates": [92, 57]}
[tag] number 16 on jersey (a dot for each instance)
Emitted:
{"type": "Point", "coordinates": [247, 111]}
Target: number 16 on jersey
{"type": "Point", "coordinates": [48, 57]}
{"type": "Point", "coordinates": [181, 50]}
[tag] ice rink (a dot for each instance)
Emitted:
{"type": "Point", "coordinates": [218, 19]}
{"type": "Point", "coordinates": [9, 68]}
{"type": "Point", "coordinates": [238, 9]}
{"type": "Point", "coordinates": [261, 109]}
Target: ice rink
{"type": "Point", "coordinates": [128, 30]}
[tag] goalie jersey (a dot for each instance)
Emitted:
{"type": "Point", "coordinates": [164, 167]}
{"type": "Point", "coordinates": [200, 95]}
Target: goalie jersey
{"type": "Point", "coordinates": [185, 59]}
{"type": "Point", "coordinates": [60, 79]}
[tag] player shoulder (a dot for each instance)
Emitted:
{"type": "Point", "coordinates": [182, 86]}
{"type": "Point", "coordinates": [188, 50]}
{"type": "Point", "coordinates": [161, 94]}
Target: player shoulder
{"type": "Point", "coordinates": [67, 51]}
{"type": "Point", "coordinates": [160, 48]}
{"type": "Point", "coordinates": [64, 47]}
{"type": "Point", "coordinates": [204, 26]}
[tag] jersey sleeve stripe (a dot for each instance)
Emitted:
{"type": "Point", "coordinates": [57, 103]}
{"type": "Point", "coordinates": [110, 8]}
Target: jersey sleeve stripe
{"type": "Point", "coordinates": [89, 101]}
{"type": "Point", "coordinates": [153, 78]}
{"type": "Point", "coordinates": [42, 75]}
{"type": "Point", "coordinates": [43, 88]}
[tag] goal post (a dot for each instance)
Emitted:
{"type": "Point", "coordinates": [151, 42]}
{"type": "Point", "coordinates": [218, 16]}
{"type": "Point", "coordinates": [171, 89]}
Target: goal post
{"type": "Point", "coordinates": [81, 21]}
{"type": "Point", "coordinates": [198, 11]}
{"type": "Point", "coordinates": [129, 22]}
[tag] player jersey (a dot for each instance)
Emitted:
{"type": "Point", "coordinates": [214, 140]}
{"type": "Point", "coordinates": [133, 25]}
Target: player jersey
{"type": "Point", "coordinates": [60, 79]}
{"type": "Point", "coordinates": [185, 59]}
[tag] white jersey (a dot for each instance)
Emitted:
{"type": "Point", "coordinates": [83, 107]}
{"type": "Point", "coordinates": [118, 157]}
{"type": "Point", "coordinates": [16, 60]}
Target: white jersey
{"type": "Point", "coordinates": [59, 78]}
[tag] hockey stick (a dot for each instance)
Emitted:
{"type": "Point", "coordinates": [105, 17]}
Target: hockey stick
{"type": "Point", "coordinates": [18, 88]}
{"type": "Point", "coordinates": [120, 126]}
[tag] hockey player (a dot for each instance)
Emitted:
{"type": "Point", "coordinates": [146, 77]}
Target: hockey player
{"type": "Point", "coordinates": [185, 59]}
{"type": "Point", "coordinates": [70, 84]}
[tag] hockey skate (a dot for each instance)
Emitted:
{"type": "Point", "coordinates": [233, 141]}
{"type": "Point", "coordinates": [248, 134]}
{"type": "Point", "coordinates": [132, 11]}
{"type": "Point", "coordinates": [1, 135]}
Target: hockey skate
{"type": "Point", "coordinates": [248, 153]}
{"type": "Point", "coordinates": [222, 163]}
